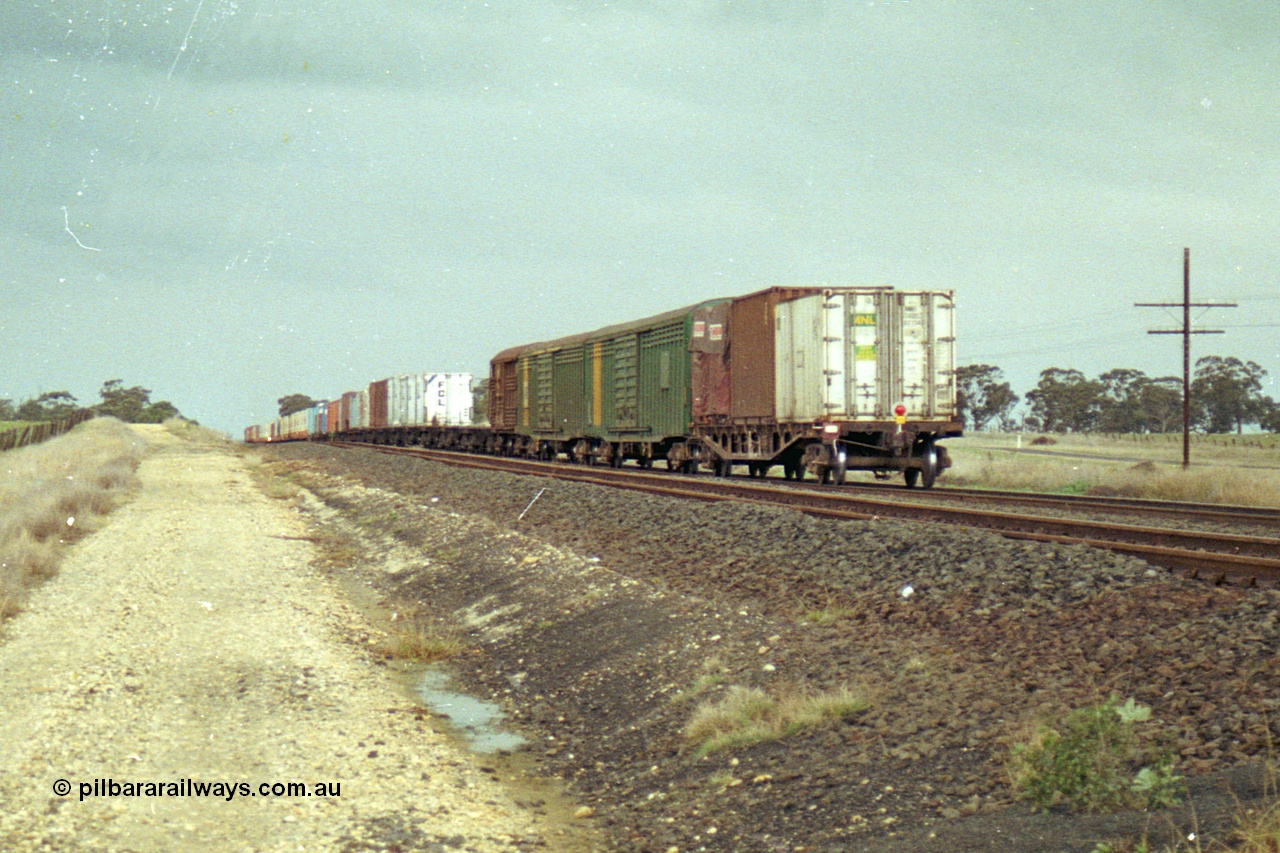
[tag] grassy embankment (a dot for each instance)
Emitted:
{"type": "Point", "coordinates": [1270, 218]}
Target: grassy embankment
{"type": "Point", "coordinates": [53, 493]}
{"type": "Point", "coordinates": [1224, 469]}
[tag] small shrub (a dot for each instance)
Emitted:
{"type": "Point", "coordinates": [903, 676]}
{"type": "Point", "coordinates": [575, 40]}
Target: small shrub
{"type": "Point", "coordinates": [420, 646]}
{"type": "Point", "coordinates": [419, 639]}
{"type": "Point", "coordinates": [1096, 760]}
{"type": "Point", "coordinates": [827, 615]}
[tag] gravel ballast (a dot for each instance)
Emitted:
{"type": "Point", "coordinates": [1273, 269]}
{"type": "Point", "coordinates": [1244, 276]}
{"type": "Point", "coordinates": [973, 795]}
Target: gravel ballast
{"type": "Point", "coordinates": [602, 619]}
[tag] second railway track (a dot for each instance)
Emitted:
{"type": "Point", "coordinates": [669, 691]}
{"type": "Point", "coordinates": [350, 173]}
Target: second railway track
{"type": "Point", "coordinates": [1211, 556]}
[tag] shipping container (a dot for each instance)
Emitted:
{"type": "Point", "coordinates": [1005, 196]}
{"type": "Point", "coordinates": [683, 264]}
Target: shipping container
{"type": "Point", "coordinates": [406, 398]}
{"type": "Point", "coordinates": [293, 427]}
{"type": "Point", "coordinates": [856, 355]}
{"type": "Point", "coordinates": [322, 418]}
{"type": "Point", "coordinates": [753, 362]}
{"type": "Point", "coordinates": [333, 417]}
{"type": "Point", "coordinates": [349, 416]}
{"type": "Point", "coordinates": [376, 413]}
{"type": "Point", "coordinates": [447, 399]}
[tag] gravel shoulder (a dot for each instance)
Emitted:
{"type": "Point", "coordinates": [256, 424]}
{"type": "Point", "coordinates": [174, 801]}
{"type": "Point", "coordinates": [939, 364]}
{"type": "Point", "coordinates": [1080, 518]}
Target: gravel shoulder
{"type": "Point", "coordinates": [192, 640]}
{"type": "Point", "coordinates": [602, 619]}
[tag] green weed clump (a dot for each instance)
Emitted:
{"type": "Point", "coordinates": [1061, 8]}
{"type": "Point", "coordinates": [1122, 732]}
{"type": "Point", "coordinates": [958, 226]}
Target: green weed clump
{"type": "Point", "coordinates": [749, 716]}
{"type": "Point", "coordinates": [53, 493]}
{"type": "Point", "coordinates": [1096, 760]}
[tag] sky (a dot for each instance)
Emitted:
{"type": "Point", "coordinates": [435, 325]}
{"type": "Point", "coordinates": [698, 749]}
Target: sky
{"type": "Point", "coordinates": [228, 201]}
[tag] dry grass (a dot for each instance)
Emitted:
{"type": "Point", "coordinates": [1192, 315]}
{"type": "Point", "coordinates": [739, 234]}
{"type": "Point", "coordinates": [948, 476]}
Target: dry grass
{"type": "Point", "coordinates": [714, 672]}
{"type": "Point", "coordinates": [1258, 831]}
{"type": "Point", "coordinates": [419, 639]}
{"type": "Point", "coordinates": [191, 431]}
{"type": "Point", "coordinates": [275, 479]}
{"type": "Point", "coordinates": [1246, 472]}
{"type": "Point", "coordinates": [748, 716]}
{"type": "Point", "coordinates": [55, 492]}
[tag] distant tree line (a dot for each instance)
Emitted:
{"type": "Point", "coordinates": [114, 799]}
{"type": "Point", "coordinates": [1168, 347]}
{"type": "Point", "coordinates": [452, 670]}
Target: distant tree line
{"type": "Point", "coordinates": [131, 405]}
{"type": "Point", "coordinates": [1226, 396]}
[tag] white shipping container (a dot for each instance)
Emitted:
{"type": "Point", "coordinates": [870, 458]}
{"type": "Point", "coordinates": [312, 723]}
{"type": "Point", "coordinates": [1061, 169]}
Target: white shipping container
{"type": "Point", "coordinates": [853, 354]}
{"type": "Point", "coordinates": [360, 411]}
{"type": "Point", "coordinates": [447, 399]}
{"type": "Point", "coordinates": [404, 400]}
{"type": "Point", "coordinates": [414, 391]}
{"type": "Point", "coordinates": [395, 401]}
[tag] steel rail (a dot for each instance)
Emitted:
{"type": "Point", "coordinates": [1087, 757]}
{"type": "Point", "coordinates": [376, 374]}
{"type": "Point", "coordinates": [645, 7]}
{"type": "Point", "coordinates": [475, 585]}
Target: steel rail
{"type": "Point", "coordinates": [1224, 513]}
{"type": "Point", "coordinates": [1213, 556]}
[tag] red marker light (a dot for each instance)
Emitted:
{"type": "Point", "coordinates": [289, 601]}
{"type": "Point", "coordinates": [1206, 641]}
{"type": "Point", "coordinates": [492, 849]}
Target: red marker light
{"type": "Point", "coordinates": [900, 410]}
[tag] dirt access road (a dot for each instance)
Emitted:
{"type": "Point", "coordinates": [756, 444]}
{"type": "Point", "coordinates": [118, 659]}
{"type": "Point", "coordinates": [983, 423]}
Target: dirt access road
{"type": "Point", "coordinates": [190, 643]}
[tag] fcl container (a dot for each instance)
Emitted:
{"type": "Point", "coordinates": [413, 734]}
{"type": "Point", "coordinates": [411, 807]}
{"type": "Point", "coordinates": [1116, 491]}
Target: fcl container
{"type": "Point", "coordinates": [446, 399]}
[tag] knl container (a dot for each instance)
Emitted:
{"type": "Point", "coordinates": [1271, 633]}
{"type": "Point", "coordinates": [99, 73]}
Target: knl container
{"type": "Point", "coordinates": [855, 354]}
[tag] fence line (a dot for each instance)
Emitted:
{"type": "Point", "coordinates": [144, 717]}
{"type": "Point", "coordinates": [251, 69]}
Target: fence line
{"type": "Point", "coordinates": [36, 433]}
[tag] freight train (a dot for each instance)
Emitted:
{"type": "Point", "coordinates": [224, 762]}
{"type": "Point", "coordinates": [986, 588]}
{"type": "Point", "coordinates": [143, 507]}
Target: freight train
{"type": "Point", "coordinates": [816, 380]}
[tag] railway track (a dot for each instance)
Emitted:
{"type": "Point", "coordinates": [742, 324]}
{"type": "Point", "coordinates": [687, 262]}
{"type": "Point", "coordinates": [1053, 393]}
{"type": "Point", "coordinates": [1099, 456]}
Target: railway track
{"type": "Point", "coordinates": [1262, 517]}
{"type": "Point", "coordinates": [1211, 556]}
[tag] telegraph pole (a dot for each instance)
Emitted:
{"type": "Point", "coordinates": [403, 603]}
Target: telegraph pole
{"type": "Point", "coordinates": [1186, 331]}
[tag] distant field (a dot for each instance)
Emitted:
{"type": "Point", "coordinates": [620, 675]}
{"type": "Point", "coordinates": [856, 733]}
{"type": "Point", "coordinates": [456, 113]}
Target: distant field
{"type": "Point", "coordinates": [1224, 468]}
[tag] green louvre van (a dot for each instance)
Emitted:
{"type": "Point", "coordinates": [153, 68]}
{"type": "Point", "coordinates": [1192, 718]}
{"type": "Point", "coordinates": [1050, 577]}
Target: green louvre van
{"type": "Point", "coordinates": [620, 392]}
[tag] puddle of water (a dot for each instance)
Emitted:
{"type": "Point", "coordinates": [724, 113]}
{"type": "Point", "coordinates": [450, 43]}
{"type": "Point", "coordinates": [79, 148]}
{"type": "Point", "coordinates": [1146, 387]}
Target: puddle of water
{"type": "Point", "coordinates": [479, 722]}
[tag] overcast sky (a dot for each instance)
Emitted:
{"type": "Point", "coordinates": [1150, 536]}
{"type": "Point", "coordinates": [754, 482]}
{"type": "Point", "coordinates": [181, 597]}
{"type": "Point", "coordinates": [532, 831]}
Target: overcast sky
{"type": "Point", "coordinates": [231, 200]}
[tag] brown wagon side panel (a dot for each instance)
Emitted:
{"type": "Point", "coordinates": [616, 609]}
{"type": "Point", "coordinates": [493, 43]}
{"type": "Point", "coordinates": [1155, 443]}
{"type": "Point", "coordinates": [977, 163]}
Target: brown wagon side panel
{"type": "Point", "coordinates": [752, 377]}
{"type": "Point", "coordinates": [377, 404]}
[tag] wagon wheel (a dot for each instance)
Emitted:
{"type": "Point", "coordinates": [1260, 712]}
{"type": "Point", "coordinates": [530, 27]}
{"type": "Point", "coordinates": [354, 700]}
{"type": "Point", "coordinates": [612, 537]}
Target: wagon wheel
{"type": "Point", "coordinates": [839, 469]}
{"type": "Point", "coordinates": [930, 472]}
{"type": "Point", "coordinates": [616, 460]}
{"type": "Point", "coordinates": [912, 476]}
